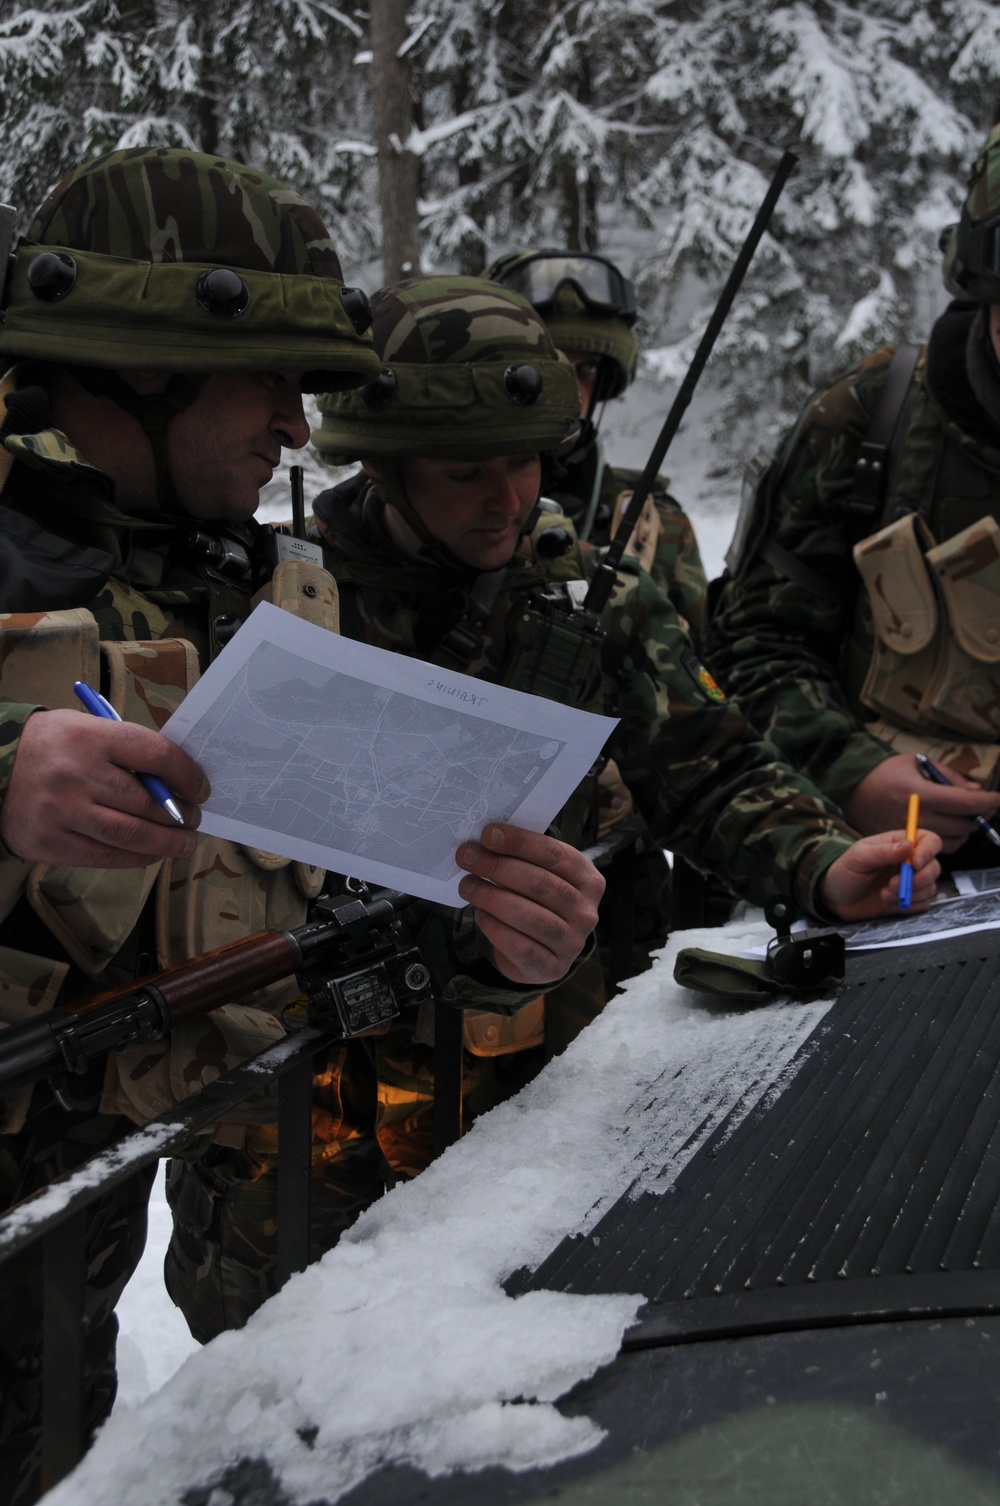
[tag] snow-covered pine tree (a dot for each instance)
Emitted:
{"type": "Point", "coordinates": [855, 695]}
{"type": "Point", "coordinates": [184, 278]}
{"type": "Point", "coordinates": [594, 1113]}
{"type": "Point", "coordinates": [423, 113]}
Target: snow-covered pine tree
{"type": "Point", "coordinates": [272, 82]}
{"type": "Point", "coordinates": [653, 121]}
{"type": "Point", "coordinates": [885, 102]}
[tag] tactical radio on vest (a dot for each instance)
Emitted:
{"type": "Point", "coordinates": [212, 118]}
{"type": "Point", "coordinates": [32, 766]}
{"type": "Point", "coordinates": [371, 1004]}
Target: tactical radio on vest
{"type": "Point", "coordinates": [555, 644]}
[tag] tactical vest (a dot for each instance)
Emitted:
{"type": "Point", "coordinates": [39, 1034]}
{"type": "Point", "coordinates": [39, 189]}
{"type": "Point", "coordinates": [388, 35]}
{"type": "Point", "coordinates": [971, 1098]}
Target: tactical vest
{"type": "Point", "coordinates": [924, 650]}
{"type": "Point", "coordinates": [599, 803]}
{"type": "Point", "coordinates": [223, 892]}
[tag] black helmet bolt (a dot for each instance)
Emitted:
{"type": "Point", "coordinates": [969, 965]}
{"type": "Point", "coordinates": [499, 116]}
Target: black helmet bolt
{"type": "Point", "coordinates": [52, 275]}
{"type": "Point", "coordinates": [222, 292]}
{"type": "Point", "coordinates": [523, 384]}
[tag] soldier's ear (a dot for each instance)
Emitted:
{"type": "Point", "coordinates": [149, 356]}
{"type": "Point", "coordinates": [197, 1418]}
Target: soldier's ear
{"type": "Point", "coordinates": [372, 470]}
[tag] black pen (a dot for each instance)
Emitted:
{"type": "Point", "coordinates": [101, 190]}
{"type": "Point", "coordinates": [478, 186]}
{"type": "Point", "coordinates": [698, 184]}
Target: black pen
{"type": "Point", "coordinates": [933, 773]}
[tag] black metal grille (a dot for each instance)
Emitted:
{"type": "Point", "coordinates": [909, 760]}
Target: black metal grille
{"type": "Point", "coordinates": [881, 1158]}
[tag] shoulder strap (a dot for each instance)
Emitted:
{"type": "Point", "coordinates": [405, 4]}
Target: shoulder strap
{"type": "Point", "coordinates": [870, 476]}
{"type": "Point", "coordinates": [871, 467]}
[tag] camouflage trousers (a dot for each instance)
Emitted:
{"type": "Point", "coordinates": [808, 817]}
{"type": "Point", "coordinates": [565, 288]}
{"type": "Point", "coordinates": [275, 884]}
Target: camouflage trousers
{"type": "Point", "coordinates": [372, 1127]}
{"type": "Point", "coordinates": [52, 1142]}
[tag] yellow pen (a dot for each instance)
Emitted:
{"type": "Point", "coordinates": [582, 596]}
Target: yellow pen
{"type": "Point", "coordinates": [906, 870]}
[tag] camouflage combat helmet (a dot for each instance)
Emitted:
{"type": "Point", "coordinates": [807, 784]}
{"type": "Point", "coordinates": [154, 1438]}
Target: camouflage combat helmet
{"type": "Point", "coordinates": [469, 371]}
{"type": "Point", "coordinates": [587, 304]}
{"type": "Point", "coordinates": [169, 260]}
{"type": "Point", "coordinates": [972, 247]}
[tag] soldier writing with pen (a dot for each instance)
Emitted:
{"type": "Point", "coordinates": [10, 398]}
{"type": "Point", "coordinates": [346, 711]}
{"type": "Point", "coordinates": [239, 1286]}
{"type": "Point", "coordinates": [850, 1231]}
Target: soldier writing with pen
{"type": "Point", "coordinates": [858, 623]}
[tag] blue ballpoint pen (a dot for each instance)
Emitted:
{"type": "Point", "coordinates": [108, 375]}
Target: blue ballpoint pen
{"type": "Point", "coordinates": [933, 773]}
{"type": "Point", "coordinates": [98, 706]}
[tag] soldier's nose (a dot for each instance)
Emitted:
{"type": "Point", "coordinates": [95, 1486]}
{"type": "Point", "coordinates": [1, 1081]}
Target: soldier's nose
{"type": "Point", "coordinates": [505, 498]}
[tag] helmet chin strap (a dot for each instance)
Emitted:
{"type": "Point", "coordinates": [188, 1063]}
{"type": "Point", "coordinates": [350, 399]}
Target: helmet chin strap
{"type": "Point", "coordinates": [153, 412]}
{"type": "Point", "coordinates": [393, 489]}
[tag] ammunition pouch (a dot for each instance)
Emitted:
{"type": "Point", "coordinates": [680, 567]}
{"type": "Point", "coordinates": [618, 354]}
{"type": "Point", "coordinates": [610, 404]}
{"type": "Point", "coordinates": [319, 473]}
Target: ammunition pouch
{"type": "Point", "coordinates": [645, 535]}
{"type": "Point", "coordinates": [485, 1033]}
{"type": "Point", "coordinates": [935, 662]}
{"type": "Point", "coordinates": [29, 986]}
{"type": "Point", "coordinates": [221, 893]}
{"type": "Point", "coordinates": [803, 964]}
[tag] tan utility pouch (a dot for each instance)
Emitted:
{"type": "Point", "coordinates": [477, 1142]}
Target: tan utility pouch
{"type": "Point", "coordinates": [646, 533]}
{"type": "Point", "coordinates": [614, 799]}
{"type": "Point", "coordinates": [978, 761]}
{"type": "Point", "coordinates": [91, 911]}
{"type": "Point", "coordinates": [306, 590]}
{"type": "Point", "coordinates": [41, 655]}
{"type": "Point", "coordinates": [29, 986]}
{"type": "Point", "coordinates": [905, 619]}
{"type": "Point", "coordinates": [964, 694]}
{"type": "Point", "coordinates": [485, 1033]}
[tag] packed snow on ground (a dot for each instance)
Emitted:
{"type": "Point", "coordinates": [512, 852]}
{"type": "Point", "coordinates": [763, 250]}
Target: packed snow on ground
{"type": "Point", "coordinates": [474, 1381]}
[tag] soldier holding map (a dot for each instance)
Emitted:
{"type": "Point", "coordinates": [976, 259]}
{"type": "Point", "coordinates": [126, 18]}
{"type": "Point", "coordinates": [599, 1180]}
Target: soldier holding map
{"type": "Point", "coordinates": [441, 548]}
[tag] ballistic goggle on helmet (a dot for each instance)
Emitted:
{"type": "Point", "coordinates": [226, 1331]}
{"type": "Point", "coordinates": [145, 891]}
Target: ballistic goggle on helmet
{"type": "Point", "coordinates": [972, 247]}
{"type": "Point", "coordinates": [586, 302]}
{"type": "Point", "coordinates": [176, 261]}
{"type": "Point", "coordinates": [469, 371]}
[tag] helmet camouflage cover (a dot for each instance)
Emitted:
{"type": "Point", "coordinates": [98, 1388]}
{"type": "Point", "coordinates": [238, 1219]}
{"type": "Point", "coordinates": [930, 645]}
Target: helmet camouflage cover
{"type": "Point", "coordinates": [972, 247]}
{"type": "Point", "coordinates": [126, 267]}
{"type": "Point", "coordinates": [468, 371]}
{"type": "Point", "coordinates": [575, 324]}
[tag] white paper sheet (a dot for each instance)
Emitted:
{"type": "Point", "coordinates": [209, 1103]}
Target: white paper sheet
{"type": "Point", "coordinates": [957, 915]}
{"type": "Point", "coordinates": [370, 763]}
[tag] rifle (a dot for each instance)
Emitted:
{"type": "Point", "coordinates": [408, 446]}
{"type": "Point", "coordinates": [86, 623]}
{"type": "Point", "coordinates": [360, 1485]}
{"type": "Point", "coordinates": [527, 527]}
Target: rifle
{"type": "Point", "coordinates": [349, 959]}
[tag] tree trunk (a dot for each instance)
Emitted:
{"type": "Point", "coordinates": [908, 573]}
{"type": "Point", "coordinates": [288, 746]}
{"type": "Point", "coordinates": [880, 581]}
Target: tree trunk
{"type": "Point", "coordinates": [208, 90]}
{"type": "Point", "coordinates": [398, 169]}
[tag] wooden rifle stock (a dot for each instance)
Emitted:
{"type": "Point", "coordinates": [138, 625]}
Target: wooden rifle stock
{"type": "Point", "coordinates": [194, 987]}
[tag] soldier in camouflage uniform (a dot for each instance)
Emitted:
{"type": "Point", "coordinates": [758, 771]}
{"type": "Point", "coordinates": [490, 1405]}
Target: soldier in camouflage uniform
{"type": "Point", "coordinates": [159, 322]}
{"type": "Point", "coordinates": [440, 549]}
{"type": "Point", "coordinates": [859, 622]}
{"type": "Point", "coordinates": [590, 311]}
{"type": "Point", "coordinates": [167, 310]}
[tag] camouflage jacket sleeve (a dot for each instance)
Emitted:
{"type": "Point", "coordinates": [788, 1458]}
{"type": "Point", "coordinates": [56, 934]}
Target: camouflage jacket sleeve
{"type": "Point", "coordinates": [676, 566]}
{"type": "Point", "coordinates": [776, 646]}
{"type": "Point", "coordinates": [707, 786]}
{"type": "Point", "coordinates": [13, 716]}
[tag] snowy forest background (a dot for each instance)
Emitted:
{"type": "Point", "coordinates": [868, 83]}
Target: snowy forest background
{"type": "Point", "coordinates": [646, 129]}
